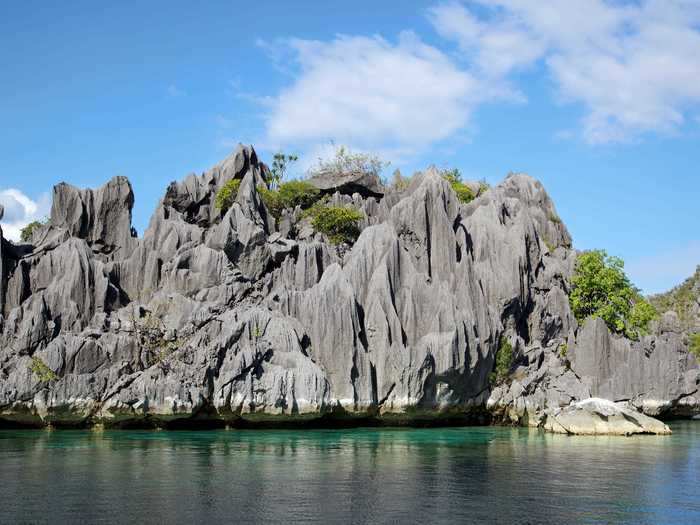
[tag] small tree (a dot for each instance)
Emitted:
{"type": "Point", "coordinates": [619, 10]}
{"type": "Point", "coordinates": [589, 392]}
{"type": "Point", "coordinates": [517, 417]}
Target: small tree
{"type": "Point", "coordinates": [42, 371]}
{"type": "Point", "coordinates": [600, 288]}
{"type": "Point", "coordinates": [26, 233]}
{"type": "Point", "coordinates": [226, 196]}
{"type": "Point", "coordinates": [338, 223]}
{"type": "Point", "coordinates": [345, 162]}
{"type": "Point", "coordinates": [694, 346]}
{"type": "Point", "coordinates": [454, 177]}
{"type": "Point", "coordinates": [399, 182]}
{"type": "Point", "coordinates": [289, 195]}
{"type": "Point", "coordinates": [504, 361]}
{"type": "Point", "coordinates": [280, 163]}
{"type": "Point", "coordinates": [483, 187]}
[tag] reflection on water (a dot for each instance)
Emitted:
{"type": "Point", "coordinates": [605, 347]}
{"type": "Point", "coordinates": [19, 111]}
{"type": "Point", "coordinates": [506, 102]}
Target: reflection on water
{"type": "Point", "coordinates": [365, 475]}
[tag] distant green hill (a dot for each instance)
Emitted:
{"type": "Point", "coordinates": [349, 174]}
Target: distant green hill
{"type": "Point", "coordinates": [684, 299]}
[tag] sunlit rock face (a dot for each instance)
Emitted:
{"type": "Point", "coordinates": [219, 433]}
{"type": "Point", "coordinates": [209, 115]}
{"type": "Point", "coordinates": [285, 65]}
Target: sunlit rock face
{"type": "Point", "coordinates": [233, 316]}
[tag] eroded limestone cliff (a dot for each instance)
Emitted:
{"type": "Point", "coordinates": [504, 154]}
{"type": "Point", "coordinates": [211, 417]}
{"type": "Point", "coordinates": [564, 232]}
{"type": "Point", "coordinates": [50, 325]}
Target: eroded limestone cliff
{"type": "Point", "coordinates": [240, 317]}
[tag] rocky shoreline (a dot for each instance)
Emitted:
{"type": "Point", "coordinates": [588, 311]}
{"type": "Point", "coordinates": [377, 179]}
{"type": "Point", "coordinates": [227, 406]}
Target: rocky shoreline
{"type": "Point", "coordinates": [239, 318]}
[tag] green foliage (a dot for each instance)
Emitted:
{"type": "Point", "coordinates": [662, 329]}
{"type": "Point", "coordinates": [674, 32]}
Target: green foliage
{"type": "Point", "coordinates": [345, 162]}
{"type": "Point", "coordinates": [280, 163]}
{"type": "Point", "coordinates": [25, 234]}
{"type": "Point", "coordinates": [554, 218]}
{"type": "Point", "coordinates": [680, 299]}
{"type": "Point", "coordinates": [600, 288]}
{"type": "Point", "coordinates": [483, 187]}
{"type": "Point", "coordinates": [150, 332]}
{"type": "Point", "coordinates": [694, 346]}
{"type": "Point", "coordinates": [504, 361]}
{"type": "Point", "coordinates": [399, 182]}
{"type": "Point", "coordinates": [42, 371]}
{"type": "Point", "coordinates": [563, 349]}
{"type": "Point", "coordinates": [298, 193]}
{"type": "Point", "coordinates": [338, 223]}
{"type": "Point", "coordinates": [289, 195]}
{"type": "Point", "coordinates": [454, 177]}
{"type": "Point", "coordinates": [464, 192]}
{"type": "Point", "coordinates": [641, 315]}
{"type": "Point", "coordinates": [549, 245]}
{"type": "Point", "coordinates": [226, 196]}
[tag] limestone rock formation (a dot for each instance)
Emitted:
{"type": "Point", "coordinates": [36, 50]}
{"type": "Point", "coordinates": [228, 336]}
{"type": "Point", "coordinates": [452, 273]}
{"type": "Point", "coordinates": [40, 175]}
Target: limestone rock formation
{"type": "Point", "coordinates": [366, 184]}
{"type": "Point", "coordinates": [231, 316]}
{"type": "Point", "coordinates": [597, 416]}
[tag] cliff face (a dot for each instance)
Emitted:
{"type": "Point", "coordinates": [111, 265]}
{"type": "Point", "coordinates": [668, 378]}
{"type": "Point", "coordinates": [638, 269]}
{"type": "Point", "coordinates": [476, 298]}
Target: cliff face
{"type": "Point", "coordinates": [238, 316]}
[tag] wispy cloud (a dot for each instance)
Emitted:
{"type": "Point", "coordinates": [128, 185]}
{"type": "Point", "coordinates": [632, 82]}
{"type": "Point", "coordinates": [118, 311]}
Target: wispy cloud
{"type": "Point", "coordinates": [175, 92]}
{"type": "Point", "coordinates": [20, 210]}
{"type": "Point", "coordinates": [370, 93]}
{"type": "Point", "coordinates": [633, 66]}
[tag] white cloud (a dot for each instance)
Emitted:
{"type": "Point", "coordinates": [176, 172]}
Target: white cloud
{"type": "Point", "coordinates": [20, 210]}
{"type": "Point", "coordinates": [633, 66]}
{"type": "Point", "coordinates": [175, 92]}
{"type": "Point", "coordinates": [370, 93]}
{"type": "Point", "coordinates": [661, 272]}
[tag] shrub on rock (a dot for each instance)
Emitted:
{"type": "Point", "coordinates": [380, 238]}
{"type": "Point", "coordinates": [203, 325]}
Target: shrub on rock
{"type": "Point", "coordinates": [226, 196]}
{"type": "Point", "coordinates": [338, 223]}
{"type": "Point", "coordinates": [600, 288]}
{"type": "Point", "coordinates": [25, 235]}
{"type": "Point", "coordinates": [504, 361]}
{"type": "Point", "coordinates": [464, 193]}
{"type": "Point", "coordinates": [289, 195]}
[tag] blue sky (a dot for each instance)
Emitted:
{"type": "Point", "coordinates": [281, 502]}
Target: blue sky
{"type": "Point", "coordinates": [599, 100]}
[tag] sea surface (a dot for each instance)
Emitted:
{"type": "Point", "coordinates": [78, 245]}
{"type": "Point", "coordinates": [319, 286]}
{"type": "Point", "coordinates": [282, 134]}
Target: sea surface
{"type": "Point", "coordinates": [450, 475]}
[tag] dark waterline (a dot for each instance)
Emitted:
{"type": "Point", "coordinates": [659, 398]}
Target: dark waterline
{"type": "Point", "coordinates": [448, 475]}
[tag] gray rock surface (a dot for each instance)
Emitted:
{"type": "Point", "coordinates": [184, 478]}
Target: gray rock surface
{"type": "Point", "coordinates": [231, 316]}
{"type": "Point", "coordinates": [597, 416]}
{"type": "Point", "coordinates": [366, 184]}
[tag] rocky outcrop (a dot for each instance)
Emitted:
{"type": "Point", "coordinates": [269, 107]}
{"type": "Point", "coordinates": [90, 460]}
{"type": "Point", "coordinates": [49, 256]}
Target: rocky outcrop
{"type": "Point", "coordinates": [101, 217]}
{"type": "Point", "coordinates": [365, 184]}
{"type": "Point", "coordinates": [231, 316]}
{"type": "Point", "coordinates": [597, 416]}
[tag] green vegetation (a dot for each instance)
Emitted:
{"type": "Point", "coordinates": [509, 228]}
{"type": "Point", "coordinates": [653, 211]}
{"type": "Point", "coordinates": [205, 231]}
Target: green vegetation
{"type": "Point", "coordinates": [551, 247]}
{"type": "Point", "coordinates": [483, 187]}
{"type": "Point", "coordinates": [226, 196]}
{"type": "Point", "coordinates": [694, 345]}
{"type": "Point", "coordinates": [42, 371]}
{"type": "Point", "coordinates": [289, 195]}
{"type": "Point", "coordinates": [454, 177]}
{"type": "Point", "coordinates": [280, 163]}
{"type": "Point", "coordinates": [150, 332]}
{"type": "Point", "coordinates": [563, 350]}
{"type": "Point", "coordinates": [345, 162]}
{"type": "Point", "coordinates": [399, 182]}
{"type": "Point", "coordinates": [680, 299]}
{"type": "Point", "coordinates": [504, 361]}
{"type": "Point", "coordinates": [338, 223]}
{"type": "Point", "coordinates": [25, 234]}
{"type": "Point", "coordinates": [554, 218]}
{"type": "Point", "coordinates": [600, 288]}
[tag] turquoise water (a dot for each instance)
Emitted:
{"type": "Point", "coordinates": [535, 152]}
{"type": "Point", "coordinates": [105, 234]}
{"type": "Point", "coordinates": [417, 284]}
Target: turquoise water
{"type": "Point", "coordinates": [455, 475]}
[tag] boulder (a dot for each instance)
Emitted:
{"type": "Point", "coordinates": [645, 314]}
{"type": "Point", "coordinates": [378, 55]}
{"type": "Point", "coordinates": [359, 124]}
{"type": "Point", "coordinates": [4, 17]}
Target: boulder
{"type": "Point", "coordinates": [596, 416]}
{"type": "Point", "coordinates": [366, 184]}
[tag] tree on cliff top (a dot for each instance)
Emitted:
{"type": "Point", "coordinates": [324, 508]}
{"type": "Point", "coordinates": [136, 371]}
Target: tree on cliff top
{"type": "Point", "coordinates": [600, 288]}
{"type": "Point", "coordinates": [347, 162]}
